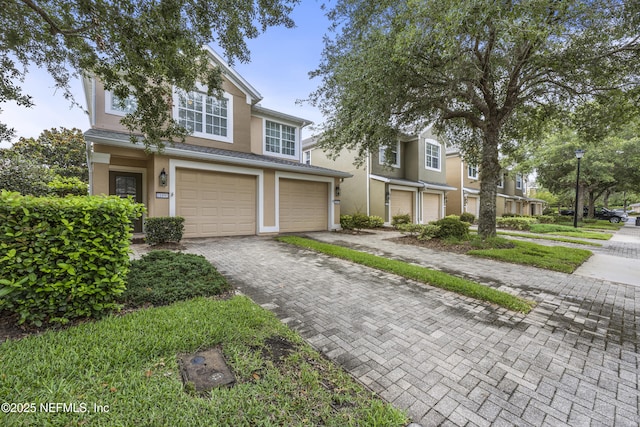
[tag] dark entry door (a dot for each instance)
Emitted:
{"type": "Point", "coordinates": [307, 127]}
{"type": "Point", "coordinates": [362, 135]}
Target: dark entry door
{"type": "Point", "coordinates": [125, 184]}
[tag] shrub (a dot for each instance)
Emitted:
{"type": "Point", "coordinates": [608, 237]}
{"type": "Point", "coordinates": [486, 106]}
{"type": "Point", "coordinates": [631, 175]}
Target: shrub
{"type": "Point", "coordinates": [360, 221]}
{"type": "Point", "coordinates": [397, 220]}
{"type": "Point", "coordinates": [412, 230]}
{"type": "Point", "coordinates": [68, 186]}
{"type": "Point", "coordinates": [375, 221]}
{"type": "Point", "coordinates": [63, 258]}
{"type": "Point", "coordinates": [163, 229]}
{"type": "Point", "coordinates": [428, 232]}
{"type": "Point", "coordinates": [346, 222]}
{"type": "Point", "coordinates": [468, 217]}
{"type": "Point", "coordinates": [511, 215]}
{"type": "Point", "coordinates": [546, 219]}
{"type": "Point", "coordinates": [452, 227]}
{"type": "Point", "coordinates": [165, 277]}
{"type": "Point", "coordinates": [515, 223]}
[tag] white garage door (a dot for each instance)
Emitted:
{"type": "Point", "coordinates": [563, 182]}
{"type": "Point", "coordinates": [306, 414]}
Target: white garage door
{"type": "Point", "coordinates": [431, 209]}
{"type": "Point", "coordinates": [472, 205]}
{"type": "Point", "coordinates": [304, 205]}
{"type": "Point", "coordinates": [402, 203]}
{"type": "Point", "coordinates": [216, 203]}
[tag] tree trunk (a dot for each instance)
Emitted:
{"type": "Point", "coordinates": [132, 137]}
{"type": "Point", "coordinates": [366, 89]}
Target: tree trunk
{"type": "Point", "coordinates": [592, 204]}
{"type": "Point", "coordinates": [489, 174]}
{"type": "Point", "coordinates": [605, 200]}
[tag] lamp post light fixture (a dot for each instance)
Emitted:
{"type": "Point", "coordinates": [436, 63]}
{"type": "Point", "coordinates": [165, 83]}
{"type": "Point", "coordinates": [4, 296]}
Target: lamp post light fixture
{"type": "Point", "coordinates": [579, 154]}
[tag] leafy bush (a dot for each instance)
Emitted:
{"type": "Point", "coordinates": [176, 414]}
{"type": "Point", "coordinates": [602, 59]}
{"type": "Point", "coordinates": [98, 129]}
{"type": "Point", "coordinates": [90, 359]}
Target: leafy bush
{"type": "Point", "coordinates": [452, 227]}
{"type": "Point", "coordinates": [165, 277]}
{"type": "Point", "coordinates": [360, 221]}
{"type": "Point", "coordinates": [412, 230]}
{"type": "Point", "coordinates": [65, 186]}
{"type": "Point", "coordinates": [468, 217]}
{"type": "Point", "coordinates": [163, 229]}
{"type": "Point", "coordinates": [346, 222]}
{"type": "Point", "coordinates": [511, 215]}
{"type": "Point", "coordinates": [375, 221]}
{"type": "Point", "coordinates": [63, 258]}
{"type": "Point", "coordinates": [428, 232]}
{"type": "Point", "coordinates": [549, 211]}
{"type": "Point", "coordinates": [546, 219]}
{"type": "Point", "coordinates": [397, 220]}
{"type": "Point", "coordinates": [515, 223]}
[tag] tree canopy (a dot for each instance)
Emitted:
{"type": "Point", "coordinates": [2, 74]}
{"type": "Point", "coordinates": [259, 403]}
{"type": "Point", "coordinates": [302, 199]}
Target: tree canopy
{"type": "Point", "coordinates": [141, 48]}
{"type": "Point", "coordinates": [486, 74]}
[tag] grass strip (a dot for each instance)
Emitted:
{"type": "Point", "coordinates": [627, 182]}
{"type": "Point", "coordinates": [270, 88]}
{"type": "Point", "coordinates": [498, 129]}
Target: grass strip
{"type": "Point", "coordinates": [128, 365]}
{"type": "Point", "coordinates": [551, 238]}
{"type": "Point", "coordinates": [418, 273]}
{"type": "Point", "coordinates": [556, 258]}
{"type": "Point", "coordinates": [563, 230]}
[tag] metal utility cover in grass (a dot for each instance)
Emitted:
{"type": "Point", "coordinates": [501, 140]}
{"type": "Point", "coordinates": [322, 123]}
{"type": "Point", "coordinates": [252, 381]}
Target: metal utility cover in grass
{"type": "Point", "coordinates": [205, 370]}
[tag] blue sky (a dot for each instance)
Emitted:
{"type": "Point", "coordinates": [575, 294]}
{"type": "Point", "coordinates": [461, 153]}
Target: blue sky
{"type": "Point", "coordinates": [280, 62]}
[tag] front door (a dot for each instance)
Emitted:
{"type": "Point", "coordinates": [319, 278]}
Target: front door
{"type": "Point", "coordinates": [125, 184]}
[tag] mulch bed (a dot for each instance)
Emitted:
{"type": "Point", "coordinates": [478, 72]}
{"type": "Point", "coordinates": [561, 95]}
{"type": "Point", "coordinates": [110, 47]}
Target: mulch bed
{"type": "Point", "coordinates": [435, 244]}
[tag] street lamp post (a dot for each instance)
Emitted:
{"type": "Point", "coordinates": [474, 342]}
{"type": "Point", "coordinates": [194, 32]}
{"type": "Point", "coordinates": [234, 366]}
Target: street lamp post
{"type": "Point", "coordinates": [579, 154]}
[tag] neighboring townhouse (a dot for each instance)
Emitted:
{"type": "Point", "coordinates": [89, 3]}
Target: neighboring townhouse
{"type": "Point", "coordinates": [511, 191]}
{"type": "Point", "coordinates": [414, 183]}
{"type": "Point", "coordinates": [239, 173]}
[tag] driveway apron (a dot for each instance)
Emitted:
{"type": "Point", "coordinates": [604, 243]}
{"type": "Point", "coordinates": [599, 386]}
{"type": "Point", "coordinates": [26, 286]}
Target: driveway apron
{"type": "Point", "coordinates": [444, 358]}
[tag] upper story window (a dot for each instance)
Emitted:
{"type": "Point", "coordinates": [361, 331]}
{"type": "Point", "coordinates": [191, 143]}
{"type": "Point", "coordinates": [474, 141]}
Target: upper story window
{"type": "Point", "coordinates": [307, 157]}
{"type": "Point", "coordinates": [280, 139]}
{"type": "Point", "coordinates": [114, 105]}
{"type": "Point", "coordinates": [205, 116]}
{"type": "Point", "coordinates": [432, 155]}
{"type": "Point", "coordinates": [518, 181]}
{"type": "Point", "coordinates": [472, 171]}
{"type": "Point", "coordinates": [501, 180]}
{"type": "Point", "coordinates": [392, 152]}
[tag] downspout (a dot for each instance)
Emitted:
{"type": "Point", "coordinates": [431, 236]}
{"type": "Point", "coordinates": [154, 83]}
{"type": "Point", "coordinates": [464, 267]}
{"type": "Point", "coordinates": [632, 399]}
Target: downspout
{"type": "Point", "coordinates": [89, 165]}
{"type": "Point", "coordinates": [368, 184]}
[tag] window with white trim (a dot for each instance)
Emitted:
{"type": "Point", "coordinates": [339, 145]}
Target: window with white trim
{"type": "Point", "coordinates": [113, 104]}
{"type": "Point", "coordinates": [518, 181]}
{"type": "Point", "coordinates": [205, 116]}
{"type": "Point", "coordinates": [472, 171]}
{"type": "Point", "coordinates": [393, 153]}
{"type": "Point", "coordinates": [432, 155]}
{"type": "Point", "coordinates": [307, 157]}
{"type": "Point", "coordinates": [280, 139]}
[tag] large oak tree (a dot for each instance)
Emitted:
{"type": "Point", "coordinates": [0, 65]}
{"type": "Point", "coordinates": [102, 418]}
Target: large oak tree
{"type": "Point", "coordinates": [141, 48]}
{"type": "Point", "coordinates": [486, 73]}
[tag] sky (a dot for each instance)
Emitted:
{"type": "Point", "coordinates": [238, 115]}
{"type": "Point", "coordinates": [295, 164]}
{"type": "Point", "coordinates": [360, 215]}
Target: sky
{"type": "Point", "coordinates": [281, 59]}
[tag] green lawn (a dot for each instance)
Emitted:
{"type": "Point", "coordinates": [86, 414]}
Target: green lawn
{"type": "Point", "coordinates": [557, 258]}
{"type": "Point", "coordinates": [551, 238]}
{"type": "Point", "coordinates": [564, 230]}
{"type": "Point", "coordinates": [418, 273]}
{"type": "Point", "coordinates": [128, 366]}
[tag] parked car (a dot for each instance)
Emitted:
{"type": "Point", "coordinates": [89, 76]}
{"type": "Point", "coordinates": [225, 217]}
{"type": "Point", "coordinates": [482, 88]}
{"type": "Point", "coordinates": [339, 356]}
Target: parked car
{"type": "Point", "coordinates": [601, 213]}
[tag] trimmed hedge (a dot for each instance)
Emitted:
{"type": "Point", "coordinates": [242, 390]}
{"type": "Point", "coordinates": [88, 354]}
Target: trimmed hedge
{"type": "Point", "coordinates": [451, 227]}
{"type": "Point", "coordinates": [359, 221]}
{"type": "Point", "coordinates": [515, 223]}
{"type": "Point", "coordinates": [400, 219]}
{"type": "Point", "coordinates": [163, 229]}
{"type": "Point", "coordinates": [63, 258]}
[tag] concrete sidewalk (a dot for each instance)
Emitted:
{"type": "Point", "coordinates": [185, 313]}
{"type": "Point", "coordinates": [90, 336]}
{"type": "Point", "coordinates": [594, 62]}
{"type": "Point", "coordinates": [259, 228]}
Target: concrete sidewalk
{"type": "Point", "coordinates": [619, 259]}
{"type": "Point", "coordinates": [448, 359]}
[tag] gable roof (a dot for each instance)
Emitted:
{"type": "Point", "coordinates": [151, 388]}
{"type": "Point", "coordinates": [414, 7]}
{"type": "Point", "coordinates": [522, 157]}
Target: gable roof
{"type": "Point", "coordinates": [121, 139]}
{"type": "Point", "coordinates": [253, 96]}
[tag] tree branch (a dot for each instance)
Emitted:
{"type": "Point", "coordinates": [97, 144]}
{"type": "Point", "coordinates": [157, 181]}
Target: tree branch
{"type": "Point", "coordinates": [55, 29]}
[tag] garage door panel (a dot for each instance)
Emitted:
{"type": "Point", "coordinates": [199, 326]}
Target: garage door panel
{"type": "Point", "coordinates": [216, 203]}
{"type": "Point", "coordinates": [303, 205]}
{"type": "Point", "coordinates": [431, 207]}
{"type": "Point", "coordinates": [402, 202]}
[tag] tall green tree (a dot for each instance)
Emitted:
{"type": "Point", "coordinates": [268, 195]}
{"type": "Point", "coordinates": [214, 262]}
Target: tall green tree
{"type": "Point", "coordinates": [140, 48]}
{"type": "Point", "coordinates": [486, 73]}
{"type": "Point", "coordinates": [63, 151]}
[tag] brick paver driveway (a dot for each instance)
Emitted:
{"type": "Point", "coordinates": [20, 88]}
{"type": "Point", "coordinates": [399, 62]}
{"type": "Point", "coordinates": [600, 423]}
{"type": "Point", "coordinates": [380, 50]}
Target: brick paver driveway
{"type": "Point", "coordinates": [448, 359]}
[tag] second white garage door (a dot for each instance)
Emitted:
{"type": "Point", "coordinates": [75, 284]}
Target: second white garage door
{"type": "Point", "coordinates": [304, 205]}
{"type": "Point", "coordinates": [215, 203]}
{"type": "Point", "coordinates": [431, 209]}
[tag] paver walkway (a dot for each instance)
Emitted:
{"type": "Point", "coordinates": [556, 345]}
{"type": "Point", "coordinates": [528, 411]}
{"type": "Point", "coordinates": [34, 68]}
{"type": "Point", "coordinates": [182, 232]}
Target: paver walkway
{"type": "Point", "coordinates": [447, 359]}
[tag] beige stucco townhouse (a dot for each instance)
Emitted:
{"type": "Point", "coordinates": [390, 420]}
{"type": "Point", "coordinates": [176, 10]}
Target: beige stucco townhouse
{"type": "Point", "coordinates": [414, 182]}
{"type": "Point", "coordinates": [239, 173]}
{"type": "Point", "coordinates": [511, 191]}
